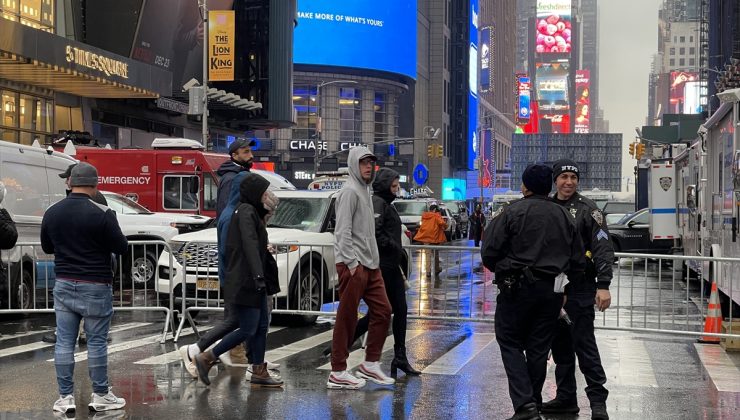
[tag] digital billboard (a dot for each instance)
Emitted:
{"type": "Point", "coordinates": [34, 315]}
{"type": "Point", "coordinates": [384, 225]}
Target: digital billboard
{"type": "Point", "coordinates": [454, 189]}
{"type": "Point", "coordinates": [486, 58]}
{"type": "Point", "coordinates": [473, 85]}
{"type": "Point", "coordinates": [487, 167]}
{"type": "Point", "coordinates": [680, 82]}
{"type": "Point", "coordinates": [551, 81]}
{"type": "Point", "coordinates": [583, 101]}
{"type": "Point", "coordinates": [378, 35]}
{"type": "Point", "coordinates": [553, 26]}
{"type": "Point", "coordinates": [524, 93]}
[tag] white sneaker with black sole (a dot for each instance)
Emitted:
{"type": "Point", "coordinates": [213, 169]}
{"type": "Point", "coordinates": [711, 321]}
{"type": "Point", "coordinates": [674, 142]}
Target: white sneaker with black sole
{"type": "Point", "coordinates": [371, 371]}
{"type": "Point", "coordinates": [188, 362]}
{"type": "Point", "coordinates": [344, 380]}
{"type": "Point", "coordinates": [65, 404]}
{"type": "Point", "coordinates": [105, 402]}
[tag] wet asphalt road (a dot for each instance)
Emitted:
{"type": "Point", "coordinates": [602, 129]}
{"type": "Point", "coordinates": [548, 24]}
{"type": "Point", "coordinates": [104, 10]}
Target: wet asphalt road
{"type": "Point", "coordinates": [650, 376]}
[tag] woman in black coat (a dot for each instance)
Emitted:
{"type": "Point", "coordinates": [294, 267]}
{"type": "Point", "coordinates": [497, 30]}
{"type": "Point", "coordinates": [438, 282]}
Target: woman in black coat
{"type": "Point", "coordinates": [251, 275]}
{"type": "Point", "coordinates": [477, 224]}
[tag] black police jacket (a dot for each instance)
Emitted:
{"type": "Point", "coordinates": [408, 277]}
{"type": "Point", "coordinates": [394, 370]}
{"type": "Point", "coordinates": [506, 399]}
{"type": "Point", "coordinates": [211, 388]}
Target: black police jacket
{"type": "Point", "coordinates": [596, 242]}
{"type": "Point", "coordinates": [531, 232]}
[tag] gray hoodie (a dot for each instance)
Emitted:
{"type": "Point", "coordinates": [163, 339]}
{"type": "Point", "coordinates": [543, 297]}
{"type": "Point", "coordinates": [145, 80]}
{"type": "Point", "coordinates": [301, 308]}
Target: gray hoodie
{"type": "Point", "coordinates": [354, 234]}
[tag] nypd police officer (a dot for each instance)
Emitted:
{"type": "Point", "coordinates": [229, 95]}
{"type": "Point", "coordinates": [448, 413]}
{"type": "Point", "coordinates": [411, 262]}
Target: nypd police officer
{"type": "Point", "coordinates": [527, 244]}
{"type": "Point", "coordinates": [587, 289]}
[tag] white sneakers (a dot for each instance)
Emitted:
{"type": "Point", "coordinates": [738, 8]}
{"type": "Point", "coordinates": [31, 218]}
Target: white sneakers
{"type": "Point", "coordinates": [344, 380]}
{"type": "Point", "coordinates": [105, 402]}
{"type": "Point", "coordinates": [188, 362]}
{"type": "Point", "coordinates": [371, 371]}
{"type": "Point", "coordinates": [367, 370]}
{"type": "Point", "coordinates": [65, 404]}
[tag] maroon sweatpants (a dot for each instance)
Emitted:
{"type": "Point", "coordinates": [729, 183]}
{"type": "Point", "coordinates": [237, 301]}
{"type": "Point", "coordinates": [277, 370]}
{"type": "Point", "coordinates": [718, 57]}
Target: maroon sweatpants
{"type": "Point", "coordinates": [368, 285]}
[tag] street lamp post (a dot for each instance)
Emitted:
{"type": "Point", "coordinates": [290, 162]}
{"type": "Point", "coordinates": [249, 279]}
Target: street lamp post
{"type": "Point", "coordinates": [318, 122]}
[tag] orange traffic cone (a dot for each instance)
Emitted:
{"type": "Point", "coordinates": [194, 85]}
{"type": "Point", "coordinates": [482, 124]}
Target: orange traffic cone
{"type": "Point", "coordinates": [713, 321]}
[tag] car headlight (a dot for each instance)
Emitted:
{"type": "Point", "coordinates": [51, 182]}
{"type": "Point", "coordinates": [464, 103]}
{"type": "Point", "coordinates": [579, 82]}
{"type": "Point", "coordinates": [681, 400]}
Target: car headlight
{"type": "Point", "coordinates": [281, 249]}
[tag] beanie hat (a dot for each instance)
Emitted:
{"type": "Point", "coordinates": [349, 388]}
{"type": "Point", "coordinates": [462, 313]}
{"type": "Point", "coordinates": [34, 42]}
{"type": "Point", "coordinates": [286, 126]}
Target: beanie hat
{"type": "Point", "coordinates": [83, 175]}
{"type": "Point", "coordinates": [538, 178]}
{"type": "Point", "coordinates": [565, 165]}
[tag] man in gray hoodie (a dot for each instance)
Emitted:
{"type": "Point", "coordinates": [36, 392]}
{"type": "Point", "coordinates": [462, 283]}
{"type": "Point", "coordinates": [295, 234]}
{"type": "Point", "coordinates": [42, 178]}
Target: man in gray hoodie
{"type": "Point", "coordinates": [358, 268]}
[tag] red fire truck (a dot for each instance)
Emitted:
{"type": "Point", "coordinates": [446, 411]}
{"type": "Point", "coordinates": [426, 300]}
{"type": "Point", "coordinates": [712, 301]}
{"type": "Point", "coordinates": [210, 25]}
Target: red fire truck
{"type": "Point", "coordinates": [175, 176]}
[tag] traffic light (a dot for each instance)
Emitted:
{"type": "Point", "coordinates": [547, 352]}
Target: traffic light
{"type": "Point", "coordinates": [430, 150]}
{"type": "Point", "coordinates": [632, 149]}
{"type": "Point", "coordinates": [440, 151]}
{"type": "Point", "coordinates": [639, 151]}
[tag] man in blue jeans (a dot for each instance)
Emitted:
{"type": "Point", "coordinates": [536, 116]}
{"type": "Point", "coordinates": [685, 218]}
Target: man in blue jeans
{"type": "Point", "coordinates": [82, 235]}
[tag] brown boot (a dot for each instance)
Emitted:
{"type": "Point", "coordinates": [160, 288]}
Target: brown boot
{"type": "Point", "coordinates": [203, 363]}
{"type": "Point", "coordinates": [261, 377]}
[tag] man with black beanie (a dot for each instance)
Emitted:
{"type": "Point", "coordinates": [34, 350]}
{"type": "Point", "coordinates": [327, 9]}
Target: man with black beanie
{"type": "Point", "coordinates": [527, 244]}
{"type": "Point", "coordinates": [587, 288]}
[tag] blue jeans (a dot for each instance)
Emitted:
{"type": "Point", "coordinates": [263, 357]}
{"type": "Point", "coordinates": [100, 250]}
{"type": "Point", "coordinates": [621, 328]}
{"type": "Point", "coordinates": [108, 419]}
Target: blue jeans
{"type": "Point", "coordinates": [74, 301]}
{"type": "Point", "coordinates": [253, 325]}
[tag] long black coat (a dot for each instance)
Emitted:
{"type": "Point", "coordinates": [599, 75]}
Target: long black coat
{"type": "Point", "coordinates": [8, 232]}
{"type": "Point", "coordinates": [250, 269]}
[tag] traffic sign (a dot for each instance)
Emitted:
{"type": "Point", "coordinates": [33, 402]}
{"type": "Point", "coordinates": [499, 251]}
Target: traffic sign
{"type": "Point", "coordinates": [421, 174]}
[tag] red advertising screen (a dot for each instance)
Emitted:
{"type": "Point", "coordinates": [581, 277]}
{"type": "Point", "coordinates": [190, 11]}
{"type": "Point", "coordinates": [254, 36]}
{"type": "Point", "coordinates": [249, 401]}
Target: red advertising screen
{"type": "Point", "coordinates": [680, 81]}
{"type": "Point", "coordinates": [583, 102]}
{"type": "Point", "coordinates": [553, 26]}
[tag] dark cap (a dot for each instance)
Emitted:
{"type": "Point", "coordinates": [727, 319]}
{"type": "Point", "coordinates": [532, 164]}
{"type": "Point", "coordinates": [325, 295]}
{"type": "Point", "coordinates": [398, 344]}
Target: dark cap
{"type": "Point", "coordinates": [538, 178]}
{"type": "Point", "coordinates": [565, 165]}
{"type": "Point", "coordinates": [368, 155]}
{"type": "Point", "coordinates": [68, 172]}
{"type": "Point", "coordinates": [240, 143]}
{"type": "Point", "coordinates": [83, 175]}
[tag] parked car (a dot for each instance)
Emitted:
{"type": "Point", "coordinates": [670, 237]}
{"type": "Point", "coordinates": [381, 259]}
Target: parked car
{"type": "Point", "coordinates": [303, 226]}
{"type": "Point", "coordinates": [451, 232]}
{"type": "Point", "coordinates": [411, 210]}
{"type": "Point", "coordinates": [614, 211]}
{"type": "Point", "coordinates": [460, 213]}
{"type": "Point", "coordinates": [632, 234]}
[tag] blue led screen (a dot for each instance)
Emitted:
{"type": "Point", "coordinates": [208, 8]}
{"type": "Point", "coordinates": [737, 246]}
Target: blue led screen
{"type": "Point", "coordinates": [377, 35]}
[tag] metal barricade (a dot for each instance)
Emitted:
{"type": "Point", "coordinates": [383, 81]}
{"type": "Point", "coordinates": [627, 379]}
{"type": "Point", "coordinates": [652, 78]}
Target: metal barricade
{"type": "Point", "coordinates": [28, 281]}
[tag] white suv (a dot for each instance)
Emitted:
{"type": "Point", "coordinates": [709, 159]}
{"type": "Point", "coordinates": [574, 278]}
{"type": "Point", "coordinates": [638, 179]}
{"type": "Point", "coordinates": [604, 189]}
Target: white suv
{"type": "Point", "coordinates": [302, 230]}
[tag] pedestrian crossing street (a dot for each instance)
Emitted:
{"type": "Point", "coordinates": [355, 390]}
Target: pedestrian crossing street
{"type": "Point", "coordinates": [628, 359]}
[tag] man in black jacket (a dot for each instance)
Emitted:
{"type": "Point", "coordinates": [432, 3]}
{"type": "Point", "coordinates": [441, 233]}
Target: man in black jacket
{"type": "Point", "coordinates": [241, 155]}
{"type": "Point", "coordinates": [586, 289]}
{"type": "Point", "coordinates": [83, 235]}
{"type": "Point", "coordinates": [8, 238]}
{"type": "Point", "coordinates": [527, 245]}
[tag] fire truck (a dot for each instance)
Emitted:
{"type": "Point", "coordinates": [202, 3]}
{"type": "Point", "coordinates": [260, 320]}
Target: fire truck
{"type": "Point", "coordinates": [174, 176]}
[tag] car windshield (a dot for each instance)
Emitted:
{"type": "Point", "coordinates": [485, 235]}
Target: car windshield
{"type": "Point", "coordinates": [453, 208]}
{"type": "Point", "coordinates": [410, 208]}
{"type": "Point", "coordinates": [625, 207]}
{"type": "Point", "coordinates": [302, 213]}
{"type": "Point", "coordinates": [123, 205]}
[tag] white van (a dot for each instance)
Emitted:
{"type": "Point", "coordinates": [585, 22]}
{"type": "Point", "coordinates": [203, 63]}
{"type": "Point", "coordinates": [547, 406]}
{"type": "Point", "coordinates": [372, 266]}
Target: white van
{"type": "Point", "coordinates": [31, 178]}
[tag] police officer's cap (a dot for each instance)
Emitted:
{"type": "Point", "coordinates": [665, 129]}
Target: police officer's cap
{"type": "Point", "coordinates": [538, 178]}
{"type": "Point", "coordinates": [565, 165]}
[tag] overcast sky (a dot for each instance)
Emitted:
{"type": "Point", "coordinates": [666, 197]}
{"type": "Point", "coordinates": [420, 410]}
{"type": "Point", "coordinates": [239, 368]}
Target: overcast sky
{"type": "Point", "coordinates": [628, 38]}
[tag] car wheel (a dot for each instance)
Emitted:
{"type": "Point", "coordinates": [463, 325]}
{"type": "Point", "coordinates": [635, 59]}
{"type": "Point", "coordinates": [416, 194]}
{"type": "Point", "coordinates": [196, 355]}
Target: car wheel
{"type": "Point", "coordinates": [141, 267]}
{"type": "Point", "coordinates": [305, 294]}
{"type": "Point", "coordinates": [21, 288]}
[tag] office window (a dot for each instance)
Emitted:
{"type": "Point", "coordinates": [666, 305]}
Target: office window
{"type": "Point", "coordinates": [692, 62]}
{"type": "Point", "coordinates": [305, 104]}
{"type": "Point", "coordinates": [673, 51]}
{"type": "Point", "coordinates": [381, 117]}
{"type": "Point", "coordinates": [682, 51]}
{"type": "Point", "coordinates": [691, 38]}
{"type": "Point", "coordinates": [682, 39]}
{"type": "Point", "coordinates": [672, 62]}
{"type": "Point", "coordinates": [692, 51]}
{"type": "Point", "coordinates": [682, 62]}
{"type": "Point", "coordinates": [350, 115]}
{"type": "Point", "coordinates": [37, 14]}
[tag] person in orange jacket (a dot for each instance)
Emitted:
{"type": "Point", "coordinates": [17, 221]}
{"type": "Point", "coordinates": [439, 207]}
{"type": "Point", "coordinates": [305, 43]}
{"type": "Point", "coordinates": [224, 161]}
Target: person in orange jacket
{"type": "Point", "coordinates": [432, 232]}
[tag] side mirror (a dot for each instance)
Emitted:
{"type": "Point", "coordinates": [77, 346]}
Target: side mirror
{"type": "Point", "coordinates": [691, 197]}
{"type": "Point", "coordinates": [631, 223]}
{"type": "Point", "coordinates": [194, 184]}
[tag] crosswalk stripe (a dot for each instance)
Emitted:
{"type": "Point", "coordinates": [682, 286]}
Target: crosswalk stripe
{"type": "Point", "coordinates": [174, 356]}
{"type": "Point", "coordinates": [26, 334]}
{"type": "Point", "coordinates": [358, 356]}
{"type": "Point", "coordinates": [626, 361]}
{"type": "Point", "coordinates": [41, 345]}
{"type": "Point", "coordinates": [299, 346]}
{"type": "Point", "coordinates": [725, 375]}
{"type": "Point", "coordinates": [451, 362]}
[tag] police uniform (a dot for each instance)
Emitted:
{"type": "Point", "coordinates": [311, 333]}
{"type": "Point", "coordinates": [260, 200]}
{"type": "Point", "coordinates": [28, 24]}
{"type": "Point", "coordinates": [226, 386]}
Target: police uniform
{"type": "Point", "coordinates": [527, 244]}
{"type": "Point", "coordinates": [577, 339]}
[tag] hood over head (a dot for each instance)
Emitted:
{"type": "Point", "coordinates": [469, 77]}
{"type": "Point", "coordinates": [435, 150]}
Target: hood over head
{"type": "Point", "coordinates": [356, 154]}
{"type": "Point", "coordinates": [251, 189]}
{"type": "Point", "coordinates": [382, 183]}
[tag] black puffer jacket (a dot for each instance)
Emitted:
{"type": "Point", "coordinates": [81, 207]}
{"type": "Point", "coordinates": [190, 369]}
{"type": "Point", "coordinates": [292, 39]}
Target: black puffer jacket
{"type": "Point", "coordinates": [8, 232]}
{"type": "Point", "coordinates": [226, 172]}
{"type": "Point", "coordinates": [387, 220]}
{"type": "Point", "coordinates": [250, 273]}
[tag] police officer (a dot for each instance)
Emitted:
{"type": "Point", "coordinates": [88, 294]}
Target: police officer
{"type": "Point", "coordinates": [527, 244]}
{"type": "Point", "coordinates": [585, 289]}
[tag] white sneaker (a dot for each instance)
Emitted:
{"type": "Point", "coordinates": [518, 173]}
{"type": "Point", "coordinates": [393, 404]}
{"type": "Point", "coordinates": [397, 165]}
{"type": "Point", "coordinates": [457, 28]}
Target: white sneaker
{"type": "Point", "coordinates": [105, 402]}
{"type": "Point", "coordinates": [225, 358]}
{"type": "Point", "coordinates": [344, 380]}
{"type": "Point", "coordinates": [273, 373]}
{"type": "Point", "coordinates": [65, 404]}
{"type": "Point", "coordinates": [371, 371]}
{"type": "Point", "coordinates": [187, 362]}
{"type": "Point", "coordinates": [271, 365]}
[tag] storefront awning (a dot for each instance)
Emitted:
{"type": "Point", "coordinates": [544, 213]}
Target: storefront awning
{"type": "Point", "coordinates": [38, 58]}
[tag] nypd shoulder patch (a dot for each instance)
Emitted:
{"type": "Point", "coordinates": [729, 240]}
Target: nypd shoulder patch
{"type": "Point", "coordinates": [498, 212]}
{"type": "Point", "coordinates": [598, 216]}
